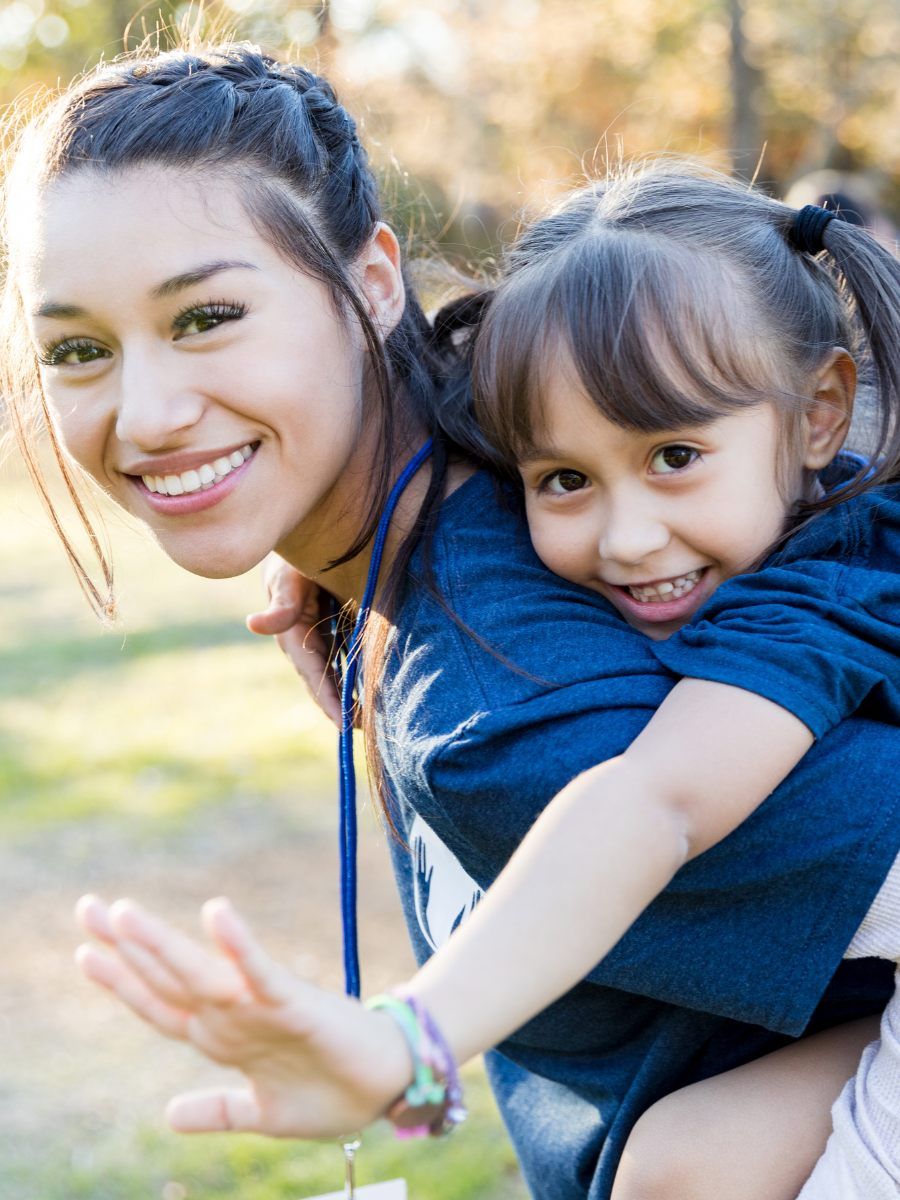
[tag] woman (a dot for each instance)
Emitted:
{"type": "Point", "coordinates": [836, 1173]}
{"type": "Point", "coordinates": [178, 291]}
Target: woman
{"type": "Point", "coordinates": [196, 251]}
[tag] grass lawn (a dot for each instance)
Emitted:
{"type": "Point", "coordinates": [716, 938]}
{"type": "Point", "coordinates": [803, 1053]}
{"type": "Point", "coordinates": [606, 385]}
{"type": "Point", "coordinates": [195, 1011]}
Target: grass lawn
{"type": "Point", "coordinates": [172, 756]}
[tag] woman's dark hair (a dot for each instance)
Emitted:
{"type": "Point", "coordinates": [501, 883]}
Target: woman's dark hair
{"type": "Point", "coordinates": [306, 183]}
{"type": "Point", "coordinates": [674, 294]}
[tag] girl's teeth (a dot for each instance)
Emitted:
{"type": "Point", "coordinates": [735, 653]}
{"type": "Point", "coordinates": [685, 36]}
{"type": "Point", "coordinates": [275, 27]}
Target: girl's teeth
{"type": "Point", "coordinates": [670, 589]}
{"type": "Point", "coordinates": [203, 477]}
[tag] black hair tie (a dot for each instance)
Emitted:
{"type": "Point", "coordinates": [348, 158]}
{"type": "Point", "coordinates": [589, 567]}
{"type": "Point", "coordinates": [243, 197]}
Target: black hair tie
{"type": "Point", "coordinates": [808, 228]}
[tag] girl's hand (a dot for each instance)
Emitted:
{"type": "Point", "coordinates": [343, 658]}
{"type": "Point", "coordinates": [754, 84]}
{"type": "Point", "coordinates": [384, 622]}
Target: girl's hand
{"type": "Point", "coordinates": [318, 1065]}
{"type": "Point", "coordinates": [294, 617]}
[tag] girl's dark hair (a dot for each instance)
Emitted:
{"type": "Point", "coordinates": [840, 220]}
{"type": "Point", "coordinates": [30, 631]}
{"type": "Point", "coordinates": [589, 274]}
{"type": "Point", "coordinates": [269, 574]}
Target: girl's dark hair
{"type": "Point", "coordinates": [673, 294]}
{"type": "Point", "coordinates": [306, 182]}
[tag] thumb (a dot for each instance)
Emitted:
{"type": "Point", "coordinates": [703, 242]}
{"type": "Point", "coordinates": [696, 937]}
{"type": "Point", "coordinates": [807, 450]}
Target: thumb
{"type": "Point", "coordinates": [279, 617]}
{"type": "Point", "coordinates": [215, 1110]}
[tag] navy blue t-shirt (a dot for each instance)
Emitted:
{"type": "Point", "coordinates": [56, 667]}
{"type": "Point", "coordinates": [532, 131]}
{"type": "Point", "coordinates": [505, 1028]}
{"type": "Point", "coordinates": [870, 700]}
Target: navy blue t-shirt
{"type": "Point", "coordinates": [818, 629]}
{"type": "Point", "coordinates": [503, 682]}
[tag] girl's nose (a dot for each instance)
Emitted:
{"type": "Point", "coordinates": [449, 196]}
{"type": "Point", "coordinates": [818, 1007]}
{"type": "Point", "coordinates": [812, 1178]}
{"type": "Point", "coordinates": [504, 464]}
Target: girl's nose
{"type": "Point", "coordinates": [631, 534]}
{"type": "Point", "coordinates": [154, 409]}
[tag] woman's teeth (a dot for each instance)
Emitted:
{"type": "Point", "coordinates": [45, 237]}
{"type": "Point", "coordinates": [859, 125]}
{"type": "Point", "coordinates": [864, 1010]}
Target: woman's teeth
{"type": "Point", "coordinates": [199, 480]}
{"type": "Point", "coordinates": [671, 589]}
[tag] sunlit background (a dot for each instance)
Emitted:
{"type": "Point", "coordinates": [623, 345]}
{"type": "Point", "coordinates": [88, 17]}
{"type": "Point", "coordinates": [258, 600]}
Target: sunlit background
{"type": "Point", "coordinates": [174, 756]}
{"type": "Point", "coordinates": [475, 109]}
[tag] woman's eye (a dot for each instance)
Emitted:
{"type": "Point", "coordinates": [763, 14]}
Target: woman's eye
{"type": "Point", "coordinates": [563, 482]}
{"type": "Point", "coordinates": [72, 352]}
{"type": "Point", "coordinates": [670, 459]}
{"type": "Point", "coordinates": [202, 318]}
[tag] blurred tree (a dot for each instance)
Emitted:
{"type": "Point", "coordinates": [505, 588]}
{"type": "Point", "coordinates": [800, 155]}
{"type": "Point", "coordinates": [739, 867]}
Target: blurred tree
{"type": "Point", "coordinates": [490, 102]}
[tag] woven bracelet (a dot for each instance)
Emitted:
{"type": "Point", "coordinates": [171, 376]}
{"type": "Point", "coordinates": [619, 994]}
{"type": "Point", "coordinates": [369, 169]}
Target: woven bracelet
{"type": "Point", "coordinates": [432, 1104]}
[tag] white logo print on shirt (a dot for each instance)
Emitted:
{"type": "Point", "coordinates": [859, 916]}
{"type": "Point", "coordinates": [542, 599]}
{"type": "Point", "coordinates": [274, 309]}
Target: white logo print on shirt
{"type": "Point", "coordinates": [445, 894]}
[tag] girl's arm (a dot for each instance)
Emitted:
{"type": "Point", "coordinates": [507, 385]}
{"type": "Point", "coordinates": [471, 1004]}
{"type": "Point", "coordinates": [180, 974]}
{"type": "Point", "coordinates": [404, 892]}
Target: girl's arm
{"type": "Point", "coordinates": [597, 856]}
{"type": "Point", "coordinates": [600, 852]}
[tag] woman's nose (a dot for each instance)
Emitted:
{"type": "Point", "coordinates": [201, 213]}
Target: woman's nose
{"type": "Point", "coordinates": [631, 534]}
{"type": "Point", "coordinates": [154, 407]}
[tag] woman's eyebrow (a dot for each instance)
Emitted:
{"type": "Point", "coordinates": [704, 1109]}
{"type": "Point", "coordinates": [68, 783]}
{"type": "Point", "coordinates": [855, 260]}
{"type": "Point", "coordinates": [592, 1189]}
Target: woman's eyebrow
{"type": "Point", "coordinates": [169, 287]}
{"type": "Point", "coordinates": [177, 283]}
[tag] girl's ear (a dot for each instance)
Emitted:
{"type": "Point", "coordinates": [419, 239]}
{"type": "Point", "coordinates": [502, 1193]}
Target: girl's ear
{"type": "Point", "coordinates": [827, 419]}
{"type": "Point", "coordinates": [380, 276]}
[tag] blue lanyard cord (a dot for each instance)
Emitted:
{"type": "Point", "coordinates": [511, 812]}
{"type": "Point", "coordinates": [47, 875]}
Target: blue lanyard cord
{"type": "Point", "coordinates": [348, 828]}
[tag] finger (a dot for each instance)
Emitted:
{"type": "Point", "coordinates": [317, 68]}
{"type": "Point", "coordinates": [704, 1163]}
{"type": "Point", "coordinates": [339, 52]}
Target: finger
{"type": "Point", "coordinates": [113, 975]}
{"type": "Point", "coordinates": [308, 655]}
{"type": "Point", "coordinates": [216, 1110]}
{"type": "Point", "coordinates": [93, 917]}
{"type": "Point", "coordinates": [286, 589]}
{"type": "Point", "coordinates": [156, 975]}
{"type": "Point", "coordinates": [207, 977]}
{"type": "Point", "coordinates": [269, 981]}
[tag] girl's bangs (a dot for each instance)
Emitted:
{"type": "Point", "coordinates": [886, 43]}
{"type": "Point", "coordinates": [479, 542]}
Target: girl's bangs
{"type": "Point", "coordinates": [658, 339]}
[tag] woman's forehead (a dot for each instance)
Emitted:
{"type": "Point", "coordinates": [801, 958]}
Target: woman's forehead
{"type": "Point", "coordinates": [145, 223]}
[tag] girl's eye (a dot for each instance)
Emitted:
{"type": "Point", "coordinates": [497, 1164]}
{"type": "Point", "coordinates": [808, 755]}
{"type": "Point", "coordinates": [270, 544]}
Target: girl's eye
{"type": "Point", "coordinates": [670, 459]}
{"type": "Point", "coordinates": [201, 318]}
{"type": "Point", "coordinates": [563, 482]}
{"type": "Point", "coordinates": [72, 352]}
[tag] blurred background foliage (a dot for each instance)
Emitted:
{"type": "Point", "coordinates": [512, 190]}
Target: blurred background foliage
{"type": "Point", "coordinates": [178, 761]}
{"type": "Point", "coordinates": [487, 105]}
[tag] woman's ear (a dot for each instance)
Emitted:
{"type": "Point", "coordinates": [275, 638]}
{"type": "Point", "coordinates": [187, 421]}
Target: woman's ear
{"type": "Point", "coordinates": [380, 277]}
{"type": "Point", "coordinates": [827, 419]}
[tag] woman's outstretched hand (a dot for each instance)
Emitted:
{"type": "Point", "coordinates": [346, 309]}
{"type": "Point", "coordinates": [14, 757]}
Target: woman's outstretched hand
{"type": "Point", "coordinates": [318, 1065]}
{"type": "Point", "coordinates": [294, 618]}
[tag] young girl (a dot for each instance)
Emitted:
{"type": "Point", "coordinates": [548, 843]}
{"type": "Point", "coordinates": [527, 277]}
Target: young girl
{"type": "Point", "coordinates": [250, 328]}
{"type": "Point", "coordinates": [653, 470]}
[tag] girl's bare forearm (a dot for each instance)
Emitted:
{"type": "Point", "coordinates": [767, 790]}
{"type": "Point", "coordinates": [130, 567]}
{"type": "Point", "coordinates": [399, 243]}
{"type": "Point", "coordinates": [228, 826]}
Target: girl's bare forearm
{"type": "Point", "coordinates": [601, 851]}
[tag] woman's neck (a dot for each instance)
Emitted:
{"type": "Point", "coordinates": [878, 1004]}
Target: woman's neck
{"type": "Point", "coordinates": [333, 529]}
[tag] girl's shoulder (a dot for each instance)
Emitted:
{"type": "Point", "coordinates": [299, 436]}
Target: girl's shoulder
{"type": "Point", "coordinates": [816, 628]}
{"type": "Point", "coordinates": [863, 531]}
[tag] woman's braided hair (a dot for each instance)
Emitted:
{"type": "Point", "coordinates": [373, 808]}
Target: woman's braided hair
{"type": "Point", "coordinates": [306, 182]}
{"type": "Point", "coordinates": [309, 188]}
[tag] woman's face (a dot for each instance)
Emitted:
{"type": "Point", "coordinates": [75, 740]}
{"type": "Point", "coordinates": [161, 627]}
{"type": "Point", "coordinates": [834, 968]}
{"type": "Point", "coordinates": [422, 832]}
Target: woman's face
{"type": "Point", "coordinates": [205, 383]}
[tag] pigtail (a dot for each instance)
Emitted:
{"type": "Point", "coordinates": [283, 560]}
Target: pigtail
{"type": "Point", "coordinates": [869, 277]}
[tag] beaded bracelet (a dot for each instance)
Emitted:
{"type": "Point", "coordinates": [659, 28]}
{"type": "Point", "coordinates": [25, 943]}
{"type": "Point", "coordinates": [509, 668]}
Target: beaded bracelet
{"type": "Point", "coordinates": [432, 1104]}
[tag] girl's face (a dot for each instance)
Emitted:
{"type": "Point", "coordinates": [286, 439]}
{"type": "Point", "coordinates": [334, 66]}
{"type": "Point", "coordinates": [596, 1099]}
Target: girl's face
{"type": "Point", "coordinates": [205, 383]}
{"type": "Point", "coordinates": [654, 522]}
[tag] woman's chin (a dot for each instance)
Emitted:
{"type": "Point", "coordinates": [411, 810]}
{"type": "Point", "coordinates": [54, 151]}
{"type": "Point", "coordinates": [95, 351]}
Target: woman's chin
{"type": "Point", "coordinates": [214, 562]}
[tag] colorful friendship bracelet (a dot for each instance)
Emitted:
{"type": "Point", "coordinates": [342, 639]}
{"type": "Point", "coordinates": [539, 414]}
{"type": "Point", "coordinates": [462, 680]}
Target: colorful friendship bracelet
{"type": "Point", "coordinates": [432, 1104]}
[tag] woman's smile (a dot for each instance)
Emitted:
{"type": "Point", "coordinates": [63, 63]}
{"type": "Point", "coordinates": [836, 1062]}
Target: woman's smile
{"type": "Point", "coordinates": [197, 488]}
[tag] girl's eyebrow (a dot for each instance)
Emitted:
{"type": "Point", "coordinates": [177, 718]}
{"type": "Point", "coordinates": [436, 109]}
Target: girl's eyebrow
{"type": "Point", "coordinates": [539, 454]}
{"type": "Point", "coordinates": [169, 287]}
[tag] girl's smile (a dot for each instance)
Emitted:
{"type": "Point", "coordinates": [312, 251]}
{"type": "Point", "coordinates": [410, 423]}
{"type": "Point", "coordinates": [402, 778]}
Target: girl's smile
{"type": "Point", "coordinates": [664, 600]}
